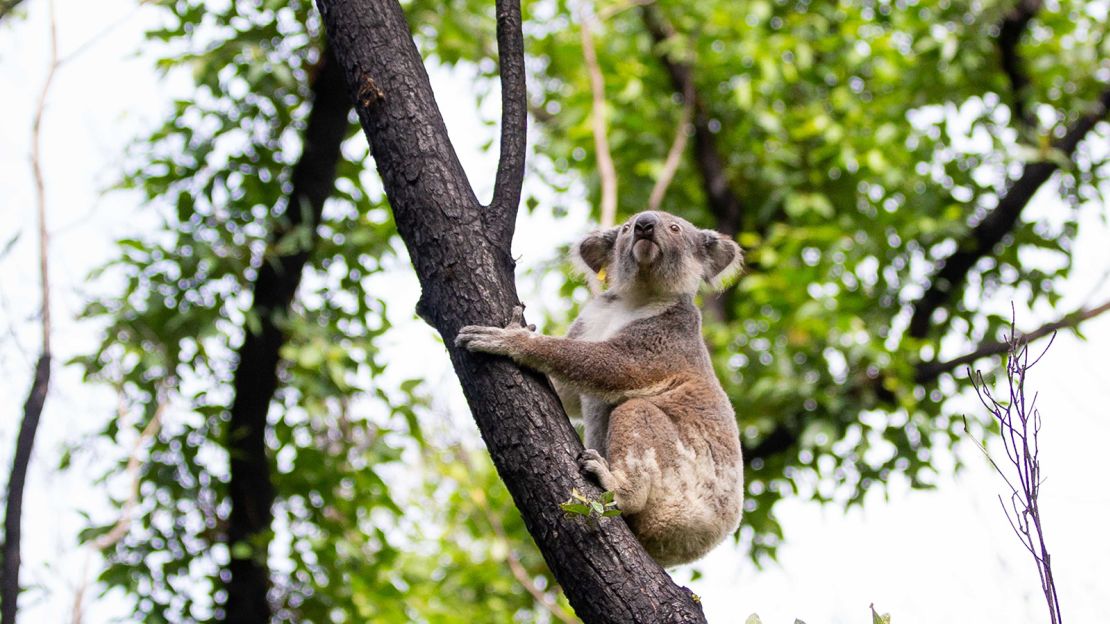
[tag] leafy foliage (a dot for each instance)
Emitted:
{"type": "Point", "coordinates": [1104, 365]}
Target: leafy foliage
{"type": "Point", "coordinates": [591, 509]}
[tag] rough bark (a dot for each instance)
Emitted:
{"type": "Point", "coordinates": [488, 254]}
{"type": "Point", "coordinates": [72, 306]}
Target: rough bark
{"type": "Point", "coordinates": [250, 489]}
{"type": "Point", "coordinates": [466, 274]}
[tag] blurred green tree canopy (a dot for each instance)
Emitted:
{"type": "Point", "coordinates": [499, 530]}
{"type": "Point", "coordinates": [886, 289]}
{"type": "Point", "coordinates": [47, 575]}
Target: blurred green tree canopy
{"type": "Point", "coordinates": [856, 149]}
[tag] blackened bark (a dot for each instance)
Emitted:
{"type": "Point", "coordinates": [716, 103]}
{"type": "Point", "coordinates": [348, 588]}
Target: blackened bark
{"type": "Point", "coordinates": [952, 271]}
{"type": "Point", "coordinates": [466, 275]}
{"type": "Point", "coordinates": [32, 410]}
{"type": "Point", "coordinates": [514, 127]}
{"type": "Point", "coordinates": [251, 492]}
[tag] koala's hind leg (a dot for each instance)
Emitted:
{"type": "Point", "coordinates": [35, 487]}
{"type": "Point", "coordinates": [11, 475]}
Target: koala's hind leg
{"type": "Point", "coordinates": [640, 435]}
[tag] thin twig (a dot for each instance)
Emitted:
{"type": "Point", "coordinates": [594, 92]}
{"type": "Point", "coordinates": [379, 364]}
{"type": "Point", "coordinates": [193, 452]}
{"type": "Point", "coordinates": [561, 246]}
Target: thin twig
{"type": "Point", "coordinates": [615, 9]}
{"type": "Point", "coordinates": [40, 186]}
{"type": "Point", "coordinates": [1022, 449]}
{"type": "Point", "coordinates": [674, 155]}
{"type": "Point", "coordinates": [605, 168]}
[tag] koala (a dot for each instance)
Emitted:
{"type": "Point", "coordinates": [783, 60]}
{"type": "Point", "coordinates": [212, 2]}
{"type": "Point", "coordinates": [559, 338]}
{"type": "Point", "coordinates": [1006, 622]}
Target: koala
{"type": "Point", "coordinates": [660, 433]}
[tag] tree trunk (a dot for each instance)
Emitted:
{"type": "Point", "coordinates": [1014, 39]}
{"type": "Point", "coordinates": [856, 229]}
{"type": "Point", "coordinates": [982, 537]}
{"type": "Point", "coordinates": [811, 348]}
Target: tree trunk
{"type": "Point", "coordinates": [460, 250]}
{"type": "Point", "coordinates": [250, 489]}
{"type": "Point", "coordinates": [32, 409]}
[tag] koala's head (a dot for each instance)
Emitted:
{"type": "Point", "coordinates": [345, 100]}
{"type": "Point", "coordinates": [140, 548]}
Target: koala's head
{"type": "Point", "coordinates": [657, 253]}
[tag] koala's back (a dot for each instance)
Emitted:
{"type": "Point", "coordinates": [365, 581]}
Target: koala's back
{"type": "Point", "coordinates": [681, 428]}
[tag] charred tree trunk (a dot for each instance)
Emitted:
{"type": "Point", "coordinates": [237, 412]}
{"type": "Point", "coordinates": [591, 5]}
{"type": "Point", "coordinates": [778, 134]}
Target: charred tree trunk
{"type": "Point", "coordinates": [460, 250]}
{"type": "Point", "coordinates": [251, 492]}
{"type": "Point", "coordinates": [32, 409]}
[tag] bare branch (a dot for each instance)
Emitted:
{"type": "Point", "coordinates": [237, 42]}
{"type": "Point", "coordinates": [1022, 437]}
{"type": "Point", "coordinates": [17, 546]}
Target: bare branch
{"type": "Point", "coordinates": [1014, 417]}
{"type": "Point", "coordinates": [134, 474]}
{"type": "Point", "coordinates": [514, 121]}
{"type": "Point", "coordinates": [40, 185]}
{"type": "Point", "coordinates": [929, 371]}
{"type": "Point", "coordinates": [616, 9]}
{"type": "Point", "coordinates": [599, 118]}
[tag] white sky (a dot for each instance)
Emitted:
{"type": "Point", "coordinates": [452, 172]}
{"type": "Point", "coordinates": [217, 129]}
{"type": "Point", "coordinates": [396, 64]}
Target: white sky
{"type": "Point", "coordinates": [946, 555]}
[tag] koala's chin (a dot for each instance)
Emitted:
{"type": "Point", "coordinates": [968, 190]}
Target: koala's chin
{"type": "Point", "coordinates": [645, 252]}
{"type": "Point", "coordinates": [660, 433]}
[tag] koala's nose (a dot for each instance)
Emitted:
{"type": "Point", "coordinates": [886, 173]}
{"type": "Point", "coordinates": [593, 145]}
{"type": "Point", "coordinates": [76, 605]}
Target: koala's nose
{"type": "Point", "coordinates": [645, 225]}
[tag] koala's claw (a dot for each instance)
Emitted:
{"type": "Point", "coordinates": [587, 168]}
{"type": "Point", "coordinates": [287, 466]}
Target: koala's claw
{"type": "Point", "coordinates": [591, 462]}
{"type": "Point", "coordinates": [518, 318]}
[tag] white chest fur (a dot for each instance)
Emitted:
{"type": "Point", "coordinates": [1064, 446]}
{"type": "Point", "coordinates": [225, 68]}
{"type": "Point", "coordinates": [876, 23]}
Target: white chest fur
{"type": "Point", "coordinates": [601, 319]}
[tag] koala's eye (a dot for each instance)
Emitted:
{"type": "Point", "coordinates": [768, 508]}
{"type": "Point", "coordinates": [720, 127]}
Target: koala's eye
{"type": "Point", "coordinates": [674, 227]}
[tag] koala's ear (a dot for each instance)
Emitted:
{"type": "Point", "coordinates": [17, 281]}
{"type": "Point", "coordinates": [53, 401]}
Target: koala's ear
{"type": "Point", "coordinates": [593, 253]}
{"type": "Point", "coordinates": [723, 258]}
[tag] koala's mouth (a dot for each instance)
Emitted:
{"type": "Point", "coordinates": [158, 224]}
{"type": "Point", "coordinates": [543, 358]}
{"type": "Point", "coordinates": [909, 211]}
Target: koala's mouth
{"type": "Point", "coordinates": [645, 251]}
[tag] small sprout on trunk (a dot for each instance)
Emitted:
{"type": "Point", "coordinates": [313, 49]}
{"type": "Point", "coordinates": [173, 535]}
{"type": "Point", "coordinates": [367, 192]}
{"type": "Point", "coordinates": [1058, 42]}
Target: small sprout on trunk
{"type": "Point", "coordinates": [591, 509]}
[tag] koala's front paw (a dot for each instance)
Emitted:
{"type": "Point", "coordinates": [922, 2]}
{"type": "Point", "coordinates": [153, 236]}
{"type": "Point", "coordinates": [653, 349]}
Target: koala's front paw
{"type": "Point", "coordinates": [591, 462]}
{"type": "Point", "coordinates": [493, 340]}
{"type": "Point", "coordinates": [496, 340]}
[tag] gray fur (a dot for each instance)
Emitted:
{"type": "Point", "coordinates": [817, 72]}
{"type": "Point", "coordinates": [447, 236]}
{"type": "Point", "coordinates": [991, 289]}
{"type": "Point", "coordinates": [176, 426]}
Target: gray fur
{"type": "Point", "coordinates": [660, 432]}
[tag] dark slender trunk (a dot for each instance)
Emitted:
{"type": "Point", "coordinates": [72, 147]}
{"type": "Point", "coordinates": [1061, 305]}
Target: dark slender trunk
{"type": "Point", "coordinates": [32, 410]}
{"type": "Point", "coordinates": [461, 254]}
{"type": "Point", "coordinates": [251, 492]}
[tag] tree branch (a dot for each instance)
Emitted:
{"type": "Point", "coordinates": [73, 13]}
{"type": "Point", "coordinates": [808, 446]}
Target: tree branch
{"type": "Point", "coordinates": [952, 271]}
{"type": "Point", "coordinates": [606, 575]}
{"type": "Point", "coordinates": [674, 155]}
{"type": "Point", "coordinates": [724, 204]}
{"type": "Point", "coordinates": [40, 384]}
{"type": "Point", "coordinates": [929, 371]}
{"type": "Point", "coordinates": [514, 121]}
{"type": "Point", "coordinates": [606, 170]}
{"type": "Point", "coordinates": [255, 381]}
{"type": "Point", "coordinates": [1009, 37]}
